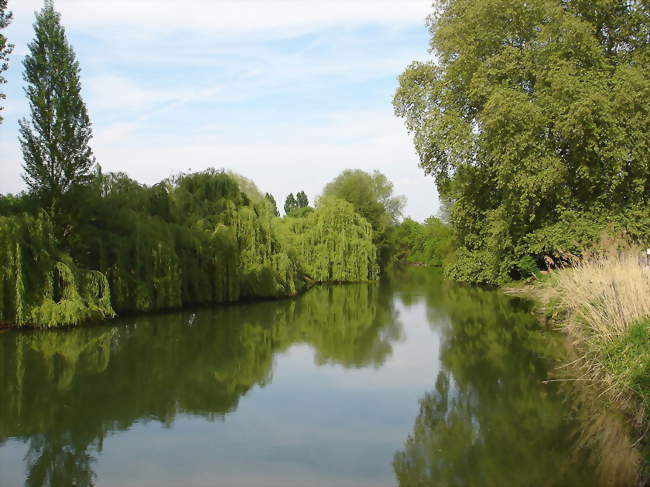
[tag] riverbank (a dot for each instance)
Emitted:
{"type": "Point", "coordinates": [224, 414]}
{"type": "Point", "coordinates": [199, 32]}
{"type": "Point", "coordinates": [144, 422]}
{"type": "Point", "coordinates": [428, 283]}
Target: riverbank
{"type": "Point", "coordinates": [602, 305]}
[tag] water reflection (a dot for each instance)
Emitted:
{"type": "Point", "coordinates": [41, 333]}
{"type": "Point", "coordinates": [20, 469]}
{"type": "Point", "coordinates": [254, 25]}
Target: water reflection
{"type": "Point", "coordinates": [85, 401]}
{"type": "Point", "coordinates": [490, 420]}
{"type": "Point", "coordinates": [64, 392]}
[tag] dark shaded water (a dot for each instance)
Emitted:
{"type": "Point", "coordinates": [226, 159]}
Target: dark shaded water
{"type": "Point", "coordinates": [411, 382]}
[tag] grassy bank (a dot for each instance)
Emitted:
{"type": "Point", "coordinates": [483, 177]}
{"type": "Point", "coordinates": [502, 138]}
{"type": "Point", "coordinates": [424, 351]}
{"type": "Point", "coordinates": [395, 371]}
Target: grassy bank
{"type": "Point", "coordinates": [601, 302]}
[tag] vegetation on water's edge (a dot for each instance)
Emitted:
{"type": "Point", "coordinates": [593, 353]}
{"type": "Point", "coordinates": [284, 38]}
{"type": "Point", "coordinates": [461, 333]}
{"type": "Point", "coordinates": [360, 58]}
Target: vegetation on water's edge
{"type": "Point", "coordinates": [602, 304]}
{"type": "Point", "coordinates": [534, 119]}
{"type": "Point", "coordinates": [193, 239]}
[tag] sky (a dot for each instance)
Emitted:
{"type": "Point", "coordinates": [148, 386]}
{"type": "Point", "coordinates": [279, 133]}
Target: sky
{"type": "Point", "coordinates": [287, 93]}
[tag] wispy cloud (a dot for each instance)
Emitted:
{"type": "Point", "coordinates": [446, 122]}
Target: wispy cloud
{"type": "Point", "coordinates": [287, 92]}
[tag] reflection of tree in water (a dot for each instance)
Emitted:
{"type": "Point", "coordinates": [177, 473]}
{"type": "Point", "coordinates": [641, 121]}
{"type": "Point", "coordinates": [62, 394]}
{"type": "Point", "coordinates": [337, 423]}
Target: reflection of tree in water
{"type": "Point", "coordinates": [65, 391]}
{"type": "Point", "coordinates": [490, 420]}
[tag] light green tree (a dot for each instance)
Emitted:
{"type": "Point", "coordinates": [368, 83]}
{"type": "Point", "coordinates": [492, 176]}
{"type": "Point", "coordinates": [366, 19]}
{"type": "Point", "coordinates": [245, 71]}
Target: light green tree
{"type": "Point", "coordinates": [274, 205]}
{"type": "Point", "coordinates": [372, 197]}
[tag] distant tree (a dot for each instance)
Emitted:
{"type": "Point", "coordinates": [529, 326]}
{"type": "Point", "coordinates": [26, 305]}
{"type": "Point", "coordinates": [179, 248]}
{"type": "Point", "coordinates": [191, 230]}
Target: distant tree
{"type": "Point", "coordinates": [302, 200]}
{"type": "Point", "coordinates": [247, 186]}
{"type": "Point", "coordinates": [372, 197]}
{"type": "Point", "coordinates": [57, 158]}
{"type": "Point", "coordinates": [274, 205]}
{"type": "Point", "coordinates": [5, 47]}
{"type": "Point", "coordinates": [290, 204]}
{"type": "Point", "coordinates": [370, 194]}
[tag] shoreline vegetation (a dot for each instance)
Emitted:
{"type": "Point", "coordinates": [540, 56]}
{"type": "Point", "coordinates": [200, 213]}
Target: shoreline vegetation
{"type": "Point", "coordinates": [600, 302]}
{"type": "Point", "coordinates": [194, 239]}
{"type": "Point", "coordinates": [534, 119]}
{"type": "Point", "coordinates": [534, 122]}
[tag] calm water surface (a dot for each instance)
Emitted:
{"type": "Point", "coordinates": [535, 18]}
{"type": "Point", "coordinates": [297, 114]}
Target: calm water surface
{"type": "Point", "coordinates": [410, 382]}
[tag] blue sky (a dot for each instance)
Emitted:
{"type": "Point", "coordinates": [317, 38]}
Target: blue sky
{"type": "Point", "coordinates": [287, 93]}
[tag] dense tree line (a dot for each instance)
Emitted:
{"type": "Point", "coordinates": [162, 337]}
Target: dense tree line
{"type": "Point", "coordinates": [82, 244]}
{"type": "Point", "coordinates": [534, 119]}
{"type": "Point", "coordinates": [430, 243]}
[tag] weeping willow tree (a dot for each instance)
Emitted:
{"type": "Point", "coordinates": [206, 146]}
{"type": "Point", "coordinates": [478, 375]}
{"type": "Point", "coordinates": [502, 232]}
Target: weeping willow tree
{"type": "Point", "coordinates": [39, 285]}
{"type": "Point", "coordinates": [333, 243]}
{"type": "Point", "coordinates": [200, 238]}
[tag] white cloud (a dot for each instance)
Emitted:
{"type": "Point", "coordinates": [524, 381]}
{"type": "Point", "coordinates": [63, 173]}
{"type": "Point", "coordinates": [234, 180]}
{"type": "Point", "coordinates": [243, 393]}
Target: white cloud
{"type": "Point", "coordinates": [273, 89]}
{"type": "Point", "coordinates": [226, 18]}
{"type": "Point", "coordinates": [281, 158]}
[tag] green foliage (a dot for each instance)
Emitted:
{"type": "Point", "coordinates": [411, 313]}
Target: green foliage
{"type": "Point", "coordinates": [272, 203]}
{"type": "Point", "coordinates": [332, 243]}
{"type": "Point", "coordinates": [628, 360]}
{"type": "Point", "coordinates": [431, 243]}
{"type": "Point", "coordinates": [300, 212]}
{"type": "Point", "coordinates": [530, 119]}
{"type": "Point", "coordinates": [372, 197]}
{"type": "Point", "coordinates": [302, 200]}
{"type": "Point", "coordinates": [290, 204]}
{"type": "Point", "coordinates": [55, 141]}
{"type": "Point", "coordinates": [5, 47]}
{"type": "Point", "coordinates": [36, 288]}
{"type": "Point", "coordinates": [192, 239]}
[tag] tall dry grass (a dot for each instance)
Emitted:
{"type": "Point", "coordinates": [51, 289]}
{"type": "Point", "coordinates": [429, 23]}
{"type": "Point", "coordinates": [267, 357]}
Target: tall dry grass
{"type": "Point", "coordinates": [604, 294]}
{"type": "Point", "coordinates": [601, 296]}
{"type": "Point", "coordinates": [601, 301]}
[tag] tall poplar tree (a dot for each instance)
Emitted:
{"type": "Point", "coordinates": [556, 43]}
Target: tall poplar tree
{"type": "Point", "coordinates": [274, 205]}
{"type": "Point", "coordinates": [290, 204]}
{"type": "Point", "coordinates": [5, 47]}
{"type": "Point", "coordinates": [54, 142]}
{"type": "Point", "coordinates": [302, 200]}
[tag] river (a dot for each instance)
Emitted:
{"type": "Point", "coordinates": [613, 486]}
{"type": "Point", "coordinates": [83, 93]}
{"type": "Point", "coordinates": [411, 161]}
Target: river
{"type": "Point", "coordinates": [412, 381]}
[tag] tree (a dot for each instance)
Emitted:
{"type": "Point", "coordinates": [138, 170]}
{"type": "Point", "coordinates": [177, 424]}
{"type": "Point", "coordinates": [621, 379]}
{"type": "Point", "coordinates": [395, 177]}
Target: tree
{"type": "Point", "coordinates": [372, 197]}
{"type": "Point", "coordinates": [290, 204]}
{"type": "Point", "coordinates": [5, 47]}
{"type": "Point", "coordinates": [370, 194]}
{"type": "Point", "coordinates": [274, 205]}
{"type": "Point", "coordinates": [302, 200]}
{"type": "Point", "coordinates": [535, 123]}
{"type": "Point", "coordinates": [57, 158]}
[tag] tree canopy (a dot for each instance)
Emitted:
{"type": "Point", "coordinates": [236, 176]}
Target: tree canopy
{"type": "Point", "coordinates": [290, 204]}
{"type": "Point", "coordinates": [534, 120]}
{"type": "Point", "coordinates": [57, 157]}
{"type": "Point", "coordinates": [274, 206]}
{"type": "Point", "coordinates": [371, 195]}
{"type": "Point", "coordinates": [302, 200]}
{"type": "Point", "coordinates": [5, 47]}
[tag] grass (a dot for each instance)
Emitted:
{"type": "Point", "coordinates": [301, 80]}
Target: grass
{"type": "Point", "coordinates": [601, 302]}
{"type": "Point", "coordinates": [604, 302]}
{"type": "Point", "coordinates": [627, 361]}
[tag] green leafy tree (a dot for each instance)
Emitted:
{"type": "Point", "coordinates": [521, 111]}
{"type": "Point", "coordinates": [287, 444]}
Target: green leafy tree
{"type": "Point", "coordinates": [534, 119]}
{"type": "Point", "coordinates": [372, 197]}
{"type": "Point", "coordinates": [302, 200]}
{"type": "Point", "coordinates": [290, 204]}
{"type": "Point", "coordinates": [274, 206]}
{"type": "Point", "coordinates": [370, 194]}
{"type": "Point", "coordinates": [57, 158]}
{"type": "Point", "coordinates": [5, 47]}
